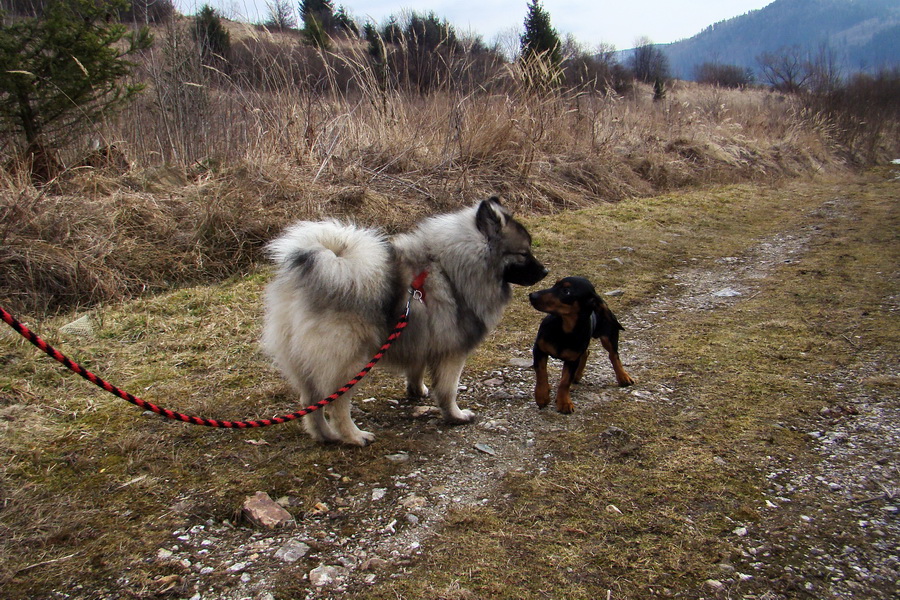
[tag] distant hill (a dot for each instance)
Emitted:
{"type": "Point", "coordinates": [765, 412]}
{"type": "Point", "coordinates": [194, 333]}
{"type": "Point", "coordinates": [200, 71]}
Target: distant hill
{"type": "Point", "coordinates": [864, 35]}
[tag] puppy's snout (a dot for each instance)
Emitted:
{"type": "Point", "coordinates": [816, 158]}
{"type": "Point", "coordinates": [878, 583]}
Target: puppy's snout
{"type": "Point", "coordinates": [537, 299]}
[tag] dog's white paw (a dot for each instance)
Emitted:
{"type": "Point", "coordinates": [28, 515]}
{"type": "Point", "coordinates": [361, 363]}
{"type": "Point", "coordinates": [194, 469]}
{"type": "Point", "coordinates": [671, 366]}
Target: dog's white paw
{"type": "Point", "coordinates": [413, 391]}
{"type": "Point", "coordinates": [361, 438]}
{"type": "Point", "coordinates": [459, 417]}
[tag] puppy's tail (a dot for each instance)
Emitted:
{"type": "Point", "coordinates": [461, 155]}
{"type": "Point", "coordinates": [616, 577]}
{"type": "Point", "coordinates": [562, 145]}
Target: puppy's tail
{"type": "Point", "coordinates": [345, 266]}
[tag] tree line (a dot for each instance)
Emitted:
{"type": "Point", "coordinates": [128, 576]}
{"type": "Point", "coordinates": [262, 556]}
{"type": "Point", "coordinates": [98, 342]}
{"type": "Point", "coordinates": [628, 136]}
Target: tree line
{"type": "Point", "coordinates": [69, 63]}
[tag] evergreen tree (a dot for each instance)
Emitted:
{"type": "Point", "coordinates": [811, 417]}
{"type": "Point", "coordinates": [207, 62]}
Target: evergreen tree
{"type": "Point", "coordinates": [659, 90]}
{"type": "Point", "coordinates": [318, 21]}
{"type": "Point", "coordinates": [345, 22]}
{"type": "Point", "coordinates": [376, 46]}
{"type": "Point", "coordinates": [212, 37]}
{"type": "Point", "coordinates": [63, 71]}
{"type": "Point", "coordinates": [314, 33]}
{"type": "Point", "coordinates": [540, 38]}
{"type": "Point", "coordinates": [321, 10]}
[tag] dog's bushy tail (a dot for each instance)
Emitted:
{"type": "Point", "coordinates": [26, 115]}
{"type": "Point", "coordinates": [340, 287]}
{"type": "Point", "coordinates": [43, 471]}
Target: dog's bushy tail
{"type": "Point", "coordinates": [343, 265]}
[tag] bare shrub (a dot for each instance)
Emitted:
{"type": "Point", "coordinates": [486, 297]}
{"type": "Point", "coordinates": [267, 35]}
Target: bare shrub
{"type": "Point", "coordinates": [730, 76]}
{"type": "Point", "coordinates": [864, 114]}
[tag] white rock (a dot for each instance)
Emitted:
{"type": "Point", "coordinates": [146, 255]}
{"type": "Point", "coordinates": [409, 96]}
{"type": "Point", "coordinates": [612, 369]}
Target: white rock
{"type": "Point", "coordinates": [727, 293]}
{"type": "Point", "coordinates": [292, 551]}
{"type": "Point", "coordinates": [326, 575]}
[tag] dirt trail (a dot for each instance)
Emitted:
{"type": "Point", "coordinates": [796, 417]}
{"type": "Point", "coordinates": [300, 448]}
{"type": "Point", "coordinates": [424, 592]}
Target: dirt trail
{"type": "Point", "coordinates": [464, 465]}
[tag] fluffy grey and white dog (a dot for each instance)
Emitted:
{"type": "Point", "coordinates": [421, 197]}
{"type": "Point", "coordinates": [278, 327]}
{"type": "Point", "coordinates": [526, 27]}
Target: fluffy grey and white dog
{"type": "Point", "coordinates": [340, 290]}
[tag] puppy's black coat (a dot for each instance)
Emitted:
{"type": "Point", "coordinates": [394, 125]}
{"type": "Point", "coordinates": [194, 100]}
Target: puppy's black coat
{"type": "Point", "coordinates": [576, 314]}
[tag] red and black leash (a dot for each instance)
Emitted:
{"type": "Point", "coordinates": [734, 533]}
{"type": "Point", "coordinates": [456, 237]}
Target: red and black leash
{"type": "Point", "coordinates": [415, 292]}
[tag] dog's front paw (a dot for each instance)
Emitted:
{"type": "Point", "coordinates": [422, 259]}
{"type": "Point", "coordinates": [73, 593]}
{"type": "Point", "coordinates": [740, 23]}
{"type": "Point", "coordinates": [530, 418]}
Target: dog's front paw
{"type": "Point", "coordinates": [361, 438]}
{"type": "Point", "coordinates": [564, 405]}
{"type": "Point", "coordinates": [459, 417]}
{"type": "Point", "coordinates": [624, 380]}
{"type": "Point", "coordinates": [542, 397]}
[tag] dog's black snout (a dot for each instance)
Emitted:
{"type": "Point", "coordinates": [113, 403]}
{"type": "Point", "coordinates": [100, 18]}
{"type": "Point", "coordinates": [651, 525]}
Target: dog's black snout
{"type": "Point", "coordinates": [528, 273]}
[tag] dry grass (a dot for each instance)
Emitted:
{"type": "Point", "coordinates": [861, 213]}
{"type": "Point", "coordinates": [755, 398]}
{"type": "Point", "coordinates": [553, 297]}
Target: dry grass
{"type": "Point", "coordinates": [95, 235]}
{"type": "Point", "coordinates": [221, 161]}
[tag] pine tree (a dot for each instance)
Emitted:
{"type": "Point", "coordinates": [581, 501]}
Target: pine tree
{"type": "Point", "coordinates": [212, 37]}
{"type": "Point", "coordinates": [345, 22]}
{"type": "Point", "coordinates": [659, 90]}
{"type": "Point", "coordinates": [318, 21]}
{"type": "Point", "coordinates": [540, 38]}
{"type": "Point", "coordinates": [63, 71]}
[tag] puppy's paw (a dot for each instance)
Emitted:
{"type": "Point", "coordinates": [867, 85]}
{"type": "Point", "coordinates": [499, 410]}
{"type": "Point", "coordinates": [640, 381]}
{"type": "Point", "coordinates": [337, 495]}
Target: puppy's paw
{"type": "Point", "coordinates": [625, 380]}
{"type": "Point", "coordinates": [565, 407]}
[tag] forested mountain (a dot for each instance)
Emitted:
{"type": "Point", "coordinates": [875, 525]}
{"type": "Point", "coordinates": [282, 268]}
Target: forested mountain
{"type": "Point", "coordinates": [861, 35]}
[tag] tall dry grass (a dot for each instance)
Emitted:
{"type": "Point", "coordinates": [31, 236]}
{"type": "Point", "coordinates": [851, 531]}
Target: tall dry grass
{"type": "Point", "coordinates": [224, 155]}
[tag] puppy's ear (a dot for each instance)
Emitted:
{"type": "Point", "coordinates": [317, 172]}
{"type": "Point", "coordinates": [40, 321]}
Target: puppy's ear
{"type": "Point", "coordinates": [605, 322]}
{"type": "Point", "coordinates": [491, 217]}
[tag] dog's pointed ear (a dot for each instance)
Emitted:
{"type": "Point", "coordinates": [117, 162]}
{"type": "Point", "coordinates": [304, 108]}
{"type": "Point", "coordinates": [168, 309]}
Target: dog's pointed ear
{"type": "Point", "coordinates": [490, 217]}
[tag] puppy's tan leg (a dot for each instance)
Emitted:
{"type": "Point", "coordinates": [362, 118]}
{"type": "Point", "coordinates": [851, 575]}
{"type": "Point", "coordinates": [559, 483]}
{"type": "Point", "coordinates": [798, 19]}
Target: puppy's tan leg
{"type": "Point", "coordinates": [563, 399]}
{"type": "Point", "coordinates": [445, 375]}
{"type": "Point", "coordinates": [542, 383]}
{"type": "Point", "coordinates": [582, 363]}
{"type": "Point", "coordinates": [622, 377]}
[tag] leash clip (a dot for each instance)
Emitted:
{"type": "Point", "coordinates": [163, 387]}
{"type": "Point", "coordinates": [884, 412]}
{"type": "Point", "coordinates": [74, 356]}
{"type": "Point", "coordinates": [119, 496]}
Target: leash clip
{"type": "Point", "coordinates": [417, 289]}
{"type": "Point", "coordinates": [414, 295]}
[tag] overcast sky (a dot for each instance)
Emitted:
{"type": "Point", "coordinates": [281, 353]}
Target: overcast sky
{"type": "Point", "coordinates": [618, 22]}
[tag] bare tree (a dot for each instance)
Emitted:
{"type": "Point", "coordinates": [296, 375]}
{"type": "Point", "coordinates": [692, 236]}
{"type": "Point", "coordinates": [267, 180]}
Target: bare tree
{"type": "Point", "coordinates": [281, 15]}
{"type": "Point", "coordinates": [825, 70]}
{"type": "Point", "coordinates": [648, 62]}
{"type": "Point", "coordinates": [787, 69]}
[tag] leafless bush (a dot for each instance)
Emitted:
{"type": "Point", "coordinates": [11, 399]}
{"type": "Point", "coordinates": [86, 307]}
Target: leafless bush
{"type": "Point", "coordinates": [730, 76]}
{"type": "Point", "coordinates": [864, 113]}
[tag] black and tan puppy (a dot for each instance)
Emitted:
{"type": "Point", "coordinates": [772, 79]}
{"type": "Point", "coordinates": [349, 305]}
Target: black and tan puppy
{"type": "Point", "coordinates": [576, 314]}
